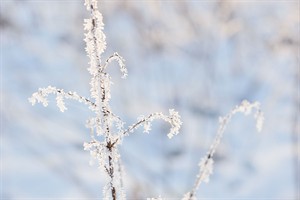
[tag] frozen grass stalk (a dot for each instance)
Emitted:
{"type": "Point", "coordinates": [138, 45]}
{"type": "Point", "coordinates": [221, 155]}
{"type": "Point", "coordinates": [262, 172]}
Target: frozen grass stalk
{"type": "Point", "coordinates": [104, 142]}
{"type": "Point", "coordinates": [206, 163]}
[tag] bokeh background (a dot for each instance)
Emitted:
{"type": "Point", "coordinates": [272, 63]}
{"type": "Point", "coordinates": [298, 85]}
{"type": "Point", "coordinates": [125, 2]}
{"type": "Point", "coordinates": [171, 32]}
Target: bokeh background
{"type": "Point", "coordinates": [198, 57]}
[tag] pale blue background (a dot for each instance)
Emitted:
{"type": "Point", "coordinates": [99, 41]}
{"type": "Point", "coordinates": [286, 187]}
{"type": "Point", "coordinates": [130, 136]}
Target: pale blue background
{"type": "Point", "coordinates": [198, 57]}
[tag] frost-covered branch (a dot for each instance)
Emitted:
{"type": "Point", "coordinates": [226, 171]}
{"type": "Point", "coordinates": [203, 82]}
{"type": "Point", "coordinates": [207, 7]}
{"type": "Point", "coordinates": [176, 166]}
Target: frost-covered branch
{"type": "Point", "coordinates": [173, 119]}
{"type": "Point", "coordinates": [121, 62]}
{"type": "Point", "coordinates": [41, 97]}
{"type": "Point", "coordinates": [206, 163]}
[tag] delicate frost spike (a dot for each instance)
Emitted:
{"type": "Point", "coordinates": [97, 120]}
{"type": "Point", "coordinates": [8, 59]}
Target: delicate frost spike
{"type": "Point", "coordinates": [175, 122]}
{"type": "Point", "coordinates": [95, 39]}
{"type": "Point", "coordinates": [60, 103]}
{"type": "Point", "coordinates": [99, 35]}
{"type": "Point", "coordinates": [206, 163]}
{"type": "Point", "coordinates": [40, 96]}
{"type": "Point", "coordinates": [88, 25]}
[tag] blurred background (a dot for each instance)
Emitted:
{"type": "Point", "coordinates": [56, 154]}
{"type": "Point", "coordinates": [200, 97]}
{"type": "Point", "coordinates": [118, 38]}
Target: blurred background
{"type": "Point", "coordinates": [199, 57]}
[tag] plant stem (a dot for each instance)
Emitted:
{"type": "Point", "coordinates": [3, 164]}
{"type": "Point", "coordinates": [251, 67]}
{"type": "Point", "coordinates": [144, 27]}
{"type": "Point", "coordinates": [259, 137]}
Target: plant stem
{"type": "Point", "coordinates": [111, 171]}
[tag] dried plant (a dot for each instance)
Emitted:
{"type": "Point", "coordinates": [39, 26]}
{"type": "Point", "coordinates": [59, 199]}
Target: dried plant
{"type": "Point", "coordinates": [105, 141]}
